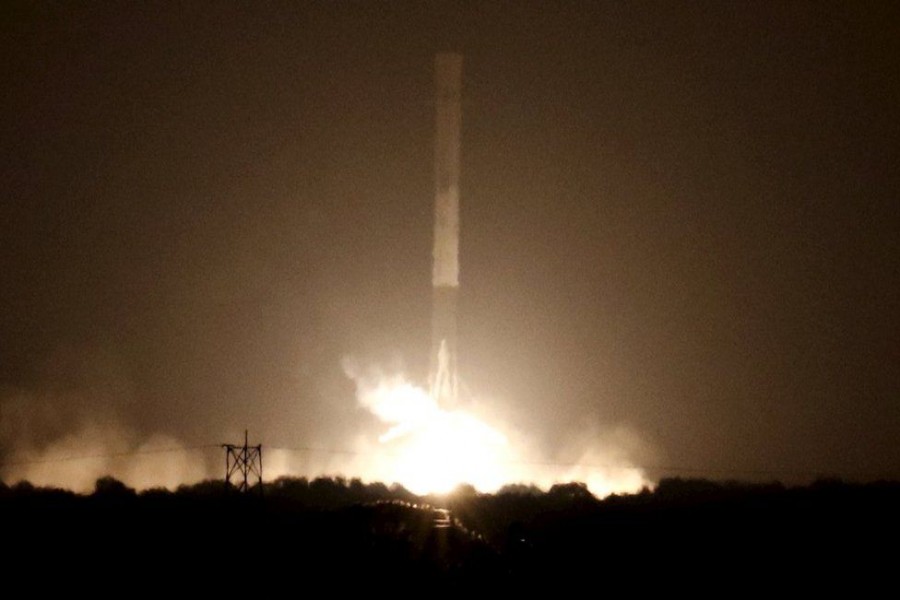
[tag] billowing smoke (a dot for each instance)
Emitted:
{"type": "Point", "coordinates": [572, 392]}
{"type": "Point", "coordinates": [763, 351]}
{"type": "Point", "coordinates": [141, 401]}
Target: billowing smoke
{"type": "Point", "coordinates": [76, 460]}
{"type": "Point", "coordinates": [430, 449]}
{"type": "Point", "coordinates": [69, 436]}
{"type": "Point", "coordinates": [602, 459]}
{"type": "Point", "coordinates": [426, 447]}
{"type": "Point", "coordinates": [69, 430]}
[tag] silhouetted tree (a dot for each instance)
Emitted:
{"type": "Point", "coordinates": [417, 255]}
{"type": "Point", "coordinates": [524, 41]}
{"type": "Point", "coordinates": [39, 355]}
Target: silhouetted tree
{"type": "Point", "coordinates": [110, 486]}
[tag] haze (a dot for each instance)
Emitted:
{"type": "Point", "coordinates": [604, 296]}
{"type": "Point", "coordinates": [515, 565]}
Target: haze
{"type": "Point", "coordinates": [679, 224]}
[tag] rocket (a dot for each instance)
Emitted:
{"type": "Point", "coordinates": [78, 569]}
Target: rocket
{"type": "Point", "coordinates": [443, 377]}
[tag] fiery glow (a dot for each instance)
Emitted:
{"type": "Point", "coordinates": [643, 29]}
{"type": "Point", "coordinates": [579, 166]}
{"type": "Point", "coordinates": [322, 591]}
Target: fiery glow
{"type": "Point", "coordinates": [430, 449]}
{"type": "Point", "coordinates": [433, 450]}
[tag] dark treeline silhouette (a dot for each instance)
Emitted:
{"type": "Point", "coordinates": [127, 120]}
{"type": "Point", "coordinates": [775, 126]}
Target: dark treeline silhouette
{"type": "Point", "coordinates": [361, 534]}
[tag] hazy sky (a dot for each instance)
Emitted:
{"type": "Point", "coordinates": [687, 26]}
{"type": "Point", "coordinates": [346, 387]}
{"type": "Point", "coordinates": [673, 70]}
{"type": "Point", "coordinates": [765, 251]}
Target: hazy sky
{"type": "Point", "coordinates": [680, 217]}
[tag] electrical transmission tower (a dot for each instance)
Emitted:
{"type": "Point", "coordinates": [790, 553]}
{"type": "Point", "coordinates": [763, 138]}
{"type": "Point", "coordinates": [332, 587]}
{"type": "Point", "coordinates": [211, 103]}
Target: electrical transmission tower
{"type": "Point", "coordinates": [243, 466]}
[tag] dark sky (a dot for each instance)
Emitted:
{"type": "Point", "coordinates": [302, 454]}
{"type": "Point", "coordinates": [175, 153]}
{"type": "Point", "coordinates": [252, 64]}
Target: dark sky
{"type": "Point", "coordinates": [677, 217]}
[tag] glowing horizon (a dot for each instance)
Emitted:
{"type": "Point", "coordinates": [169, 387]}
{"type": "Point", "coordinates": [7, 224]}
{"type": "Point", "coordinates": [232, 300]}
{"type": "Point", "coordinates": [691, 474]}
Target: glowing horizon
{"type": "Point", "coordinates": [433, 450]}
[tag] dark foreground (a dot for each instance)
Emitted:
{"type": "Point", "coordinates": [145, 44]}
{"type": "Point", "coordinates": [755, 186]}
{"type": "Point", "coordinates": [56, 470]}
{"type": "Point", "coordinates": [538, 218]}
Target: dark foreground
{"type": "Point", "coordinates": [697, 536]}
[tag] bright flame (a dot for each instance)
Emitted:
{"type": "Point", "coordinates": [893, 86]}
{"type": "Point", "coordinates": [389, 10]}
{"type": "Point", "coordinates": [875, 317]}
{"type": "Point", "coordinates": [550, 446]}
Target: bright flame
{"type": "Point", "coordinates": [430, 449]}
{"type": "Point", "coordinates": [433, 450]}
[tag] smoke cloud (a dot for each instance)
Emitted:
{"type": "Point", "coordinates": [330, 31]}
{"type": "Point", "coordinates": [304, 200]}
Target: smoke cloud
{"type": "Point", "coordinates": [428, 448]}
{"type": "Point", "coordinates": [76, 460]}
{"type": "Point", "coordinates": [69, 429]}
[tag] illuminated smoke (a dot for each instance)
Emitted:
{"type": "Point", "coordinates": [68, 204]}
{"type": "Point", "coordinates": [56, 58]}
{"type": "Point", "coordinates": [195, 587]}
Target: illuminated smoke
{"type": "Point", "coordinates": [78, 459]}
{"type": "Point", "coordinates": [84, 449]}
{"type": "Point", "coordinates": [426, 448]}
{"type": "Point", "coordinates": [602, 460]}
{"type": "Point", "coordinates": [418, 443]}
{"type": "Point", "coordinates": [429, 449]}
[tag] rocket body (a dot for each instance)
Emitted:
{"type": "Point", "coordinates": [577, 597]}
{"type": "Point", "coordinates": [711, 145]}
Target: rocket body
{"type": "Point", "coordinates": [443, 376]}
{"type": "Point", "coordinates": [448, 75]}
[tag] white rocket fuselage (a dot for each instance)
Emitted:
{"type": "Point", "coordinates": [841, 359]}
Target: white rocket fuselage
{"type": "Point", "coordinates": [444, 380]}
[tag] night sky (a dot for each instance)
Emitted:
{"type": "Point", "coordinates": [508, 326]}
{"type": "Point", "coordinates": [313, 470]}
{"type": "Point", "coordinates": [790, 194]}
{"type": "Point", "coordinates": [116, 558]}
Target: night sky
{"type": "Point", "coordinates": [677, 218]}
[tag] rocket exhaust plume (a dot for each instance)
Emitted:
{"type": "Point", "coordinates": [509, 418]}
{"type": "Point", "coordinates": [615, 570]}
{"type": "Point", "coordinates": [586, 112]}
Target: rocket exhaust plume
{"type": "Point", "coordinates": [432, 442]}
{"type": "Point", "coordinates": [443, 377]}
